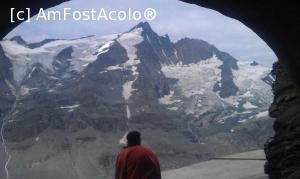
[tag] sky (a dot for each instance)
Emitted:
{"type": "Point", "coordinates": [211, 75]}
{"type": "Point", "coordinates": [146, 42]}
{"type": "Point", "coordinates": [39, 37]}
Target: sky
{"type": "Point", "coordinates": [175, 18]}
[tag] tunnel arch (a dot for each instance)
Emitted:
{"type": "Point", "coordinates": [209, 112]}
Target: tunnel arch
{"type": "Point", "coordinates": [277, 23]}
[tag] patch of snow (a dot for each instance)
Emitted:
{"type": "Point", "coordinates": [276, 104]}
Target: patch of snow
{"type": "Point", "coordinates": [131, 62]}
{"type": "Point", "coordinates": [262, 114]}
{"type": "Point", "coordinates": [31, 89]}
{"type": "Point", "coordinates": [247, 112]}
{"type": "Point", "coordinates": [247, 94]}
{"type": "Point", "coordinates": [127, 89]}
{"type": "Point", "coordinates": [134, 71]}
{"type": "Point", "coordinates": [105, 47]}
{"type": "Point", "coordinates": [24, 90]}
{"type": "Point", "coordinates": [176, 53]}
{"type": "Point", "coordinates": [128, 112]}
{"type": "Point", "coordinates": [249, 105]}
{"type": "Point", "coordinates": [123, 140]}
{"type": "Point", "coordinates": [221, 121]}
{"type": "Point", "coordinates": [195, 82]}
{"type": "Point", "coordinates": [29, 76]}
{"type": "Point", "coordinates": [85, 50]}
{"type": "Point", "coordinates": [199, 105]}
{"type": "Point", "coordinates": [242, 121]}
{"type": "Point", "coordinates": [248, 78]}
{"type": "Point", "coordinates": [272, 77]}
{"type": "Point", "coordinates": [232, 101]}
{"type": "Point", "coordinates": [163, 52]}
{"type": "Point", "coordinates": [70, 108]}
{"type": "Point", "coordinates": [167, 99]}
{"type": "Point", "coordinates": [173, 108]}
{"type": "Point", "coordinates": [129, 41]}
{"type": "Point", "coordinates": [23, 58]}
{"type": "Point", "coordinates": [85, 65]}
{"type": "Point", "coordinates": [195, 78]}
{"type": "Point", "coordinates": [111, 68]}
{"type": "Point", "coordinates": [51, 90]}
{"type": "Point", "coordinates": [53, 78]}
{"type": "Point", "coordinates": [247, 73]}
{"type": "Point", "coordinates": [148, 39]}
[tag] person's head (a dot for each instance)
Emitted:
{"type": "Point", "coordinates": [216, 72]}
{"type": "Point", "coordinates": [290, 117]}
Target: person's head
{"type": "Point", "coordinates": [133, 138]}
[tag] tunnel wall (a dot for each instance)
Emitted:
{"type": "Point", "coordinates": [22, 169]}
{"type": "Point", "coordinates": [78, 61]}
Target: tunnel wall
{"type": "Point", "coordinates": [283, 150]}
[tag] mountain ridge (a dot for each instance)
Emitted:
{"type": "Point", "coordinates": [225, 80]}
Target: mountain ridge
{"type": "Point", "coordinates": [92, 90]}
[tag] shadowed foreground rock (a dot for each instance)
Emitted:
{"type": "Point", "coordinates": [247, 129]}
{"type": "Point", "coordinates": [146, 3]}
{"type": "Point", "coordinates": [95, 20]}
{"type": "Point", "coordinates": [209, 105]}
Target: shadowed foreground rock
{"type": "Point", "coordinates": [283, 151]}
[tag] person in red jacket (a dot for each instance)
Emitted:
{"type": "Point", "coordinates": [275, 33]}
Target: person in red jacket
{"type": "Point", "coordinates": [136, 161]}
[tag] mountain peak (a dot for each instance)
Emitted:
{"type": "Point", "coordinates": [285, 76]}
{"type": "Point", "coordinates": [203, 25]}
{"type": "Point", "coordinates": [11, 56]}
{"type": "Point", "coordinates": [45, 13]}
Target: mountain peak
{"type": "Point", "coordinates": [145, 26]}
{"type": "Point", "coordinates": [254, 63]}
{"type": "Point", "coordinates": [19, 40]}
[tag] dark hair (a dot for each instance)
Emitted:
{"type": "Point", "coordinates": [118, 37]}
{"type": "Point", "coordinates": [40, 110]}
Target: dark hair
{"type": "Point", "coordinates": [133, 138]}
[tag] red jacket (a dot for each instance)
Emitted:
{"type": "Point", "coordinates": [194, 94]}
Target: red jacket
{"type": "Point", "coordinates": [137, 162]}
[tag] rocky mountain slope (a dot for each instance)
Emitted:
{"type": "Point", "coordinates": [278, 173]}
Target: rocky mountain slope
{"type": "Point", "coordinates": [66, 103]}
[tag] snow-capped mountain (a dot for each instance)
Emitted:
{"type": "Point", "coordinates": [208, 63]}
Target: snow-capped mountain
{"type": "Point", "coordinates": [66, 103]}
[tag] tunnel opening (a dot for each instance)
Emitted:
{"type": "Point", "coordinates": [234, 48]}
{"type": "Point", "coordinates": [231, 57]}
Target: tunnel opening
{"type": "Point", "coordinates": [70, 107]}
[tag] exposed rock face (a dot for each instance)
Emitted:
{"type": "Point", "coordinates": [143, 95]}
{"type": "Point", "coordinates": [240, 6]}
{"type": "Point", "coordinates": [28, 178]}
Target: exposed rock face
{"type": "Point", "coordinates": [283, 151]}
{"type": "Point", "coordinates": [18, 39]}
{"type": "Point", "coordinates": [6, 78]}
{"type": "Point", "coordinates": [194, 50]}
{"type": "Point", "coordinates": [38, 44]}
